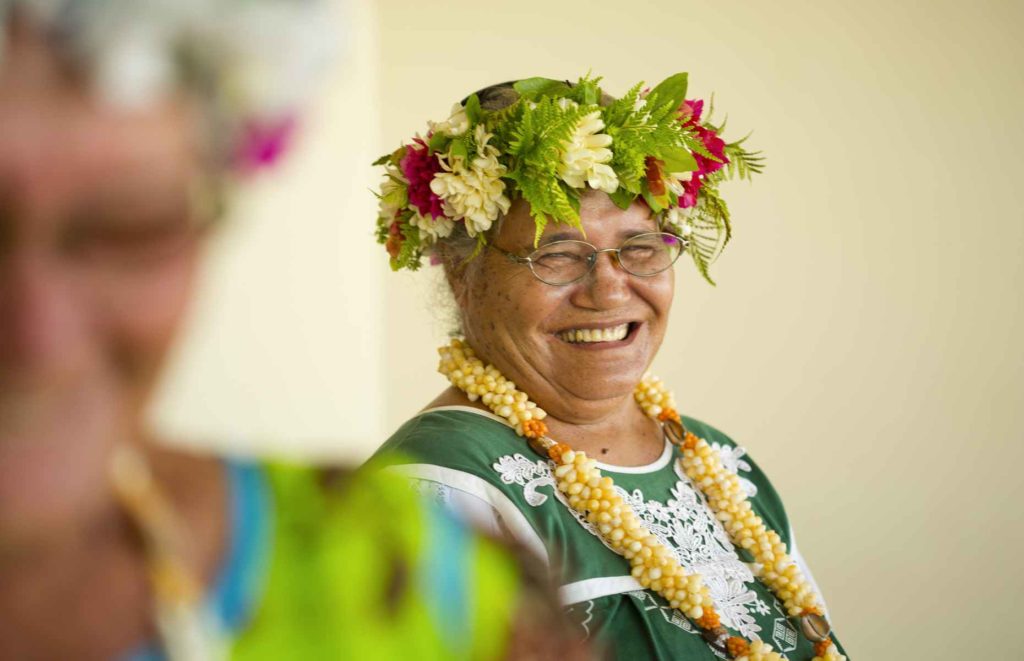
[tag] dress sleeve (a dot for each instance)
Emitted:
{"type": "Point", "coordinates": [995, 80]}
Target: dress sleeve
{"type": "Point", "coordinates": [472, 510]}
{"type": "Point", "coordinates": [798, 558]}
{"type": "Point", "coordinates": [476, 502]}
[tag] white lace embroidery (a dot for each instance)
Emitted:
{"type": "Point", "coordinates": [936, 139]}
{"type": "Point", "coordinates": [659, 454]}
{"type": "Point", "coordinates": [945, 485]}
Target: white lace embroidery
{"type": "Point", "coordinates": [683, 523]}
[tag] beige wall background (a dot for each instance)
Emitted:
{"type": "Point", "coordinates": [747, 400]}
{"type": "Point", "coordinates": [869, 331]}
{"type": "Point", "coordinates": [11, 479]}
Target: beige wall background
{"type": "Point", "coordinates": [862, 342]}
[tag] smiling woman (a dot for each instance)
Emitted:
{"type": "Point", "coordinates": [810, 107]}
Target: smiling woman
{"type": "Point", "coordinates": [558, 213]}
{"type": "Point", "coordinates": [119, 123]}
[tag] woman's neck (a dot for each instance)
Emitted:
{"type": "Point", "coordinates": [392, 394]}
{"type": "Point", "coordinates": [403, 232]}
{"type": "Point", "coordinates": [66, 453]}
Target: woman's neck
{"type": "Point", "coordinates": [618, 433]}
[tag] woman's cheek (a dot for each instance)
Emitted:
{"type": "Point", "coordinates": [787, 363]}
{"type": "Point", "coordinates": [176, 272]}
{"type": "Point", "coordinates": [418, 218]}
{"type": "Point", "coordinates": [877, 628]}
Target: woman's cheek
{"type": "Point", "coordinates": [141, 315]}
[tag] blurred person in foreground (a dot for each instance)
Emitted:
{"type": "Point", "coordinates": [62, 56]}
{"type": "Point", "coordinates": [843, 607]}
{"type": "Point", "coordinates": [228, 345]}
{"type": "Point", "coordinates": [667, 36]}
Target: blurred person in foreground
{"type": "Point", "coordinates": [557, 213]}
{"type": "Point", "coordinates": [122, 125]}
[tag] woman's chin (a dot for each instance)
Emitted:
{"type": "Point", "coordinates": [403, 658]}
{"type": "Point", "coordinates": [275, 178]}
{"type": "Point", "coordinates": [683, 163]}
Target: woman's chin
{"type": "Point", "coordinates": [597, 388]}
{"type": "Point", "coordinates": [53, 466]}
{"type": "Point", "coordinates": [44, 493]}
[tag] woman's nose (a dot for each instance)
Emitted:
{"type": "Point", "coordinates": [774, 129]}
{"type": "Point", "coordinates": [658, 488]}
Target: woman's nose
{"type": "Point", "coordinates": [607, 284]}
{"type": "Point", "coordinates": [40, 325]}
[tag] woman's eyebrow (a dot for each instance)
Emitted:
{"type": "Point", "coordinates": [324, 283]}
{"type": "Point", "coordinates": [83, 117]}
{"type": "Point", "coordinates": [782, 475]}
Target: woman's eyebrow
{"type": "Point", "coordinates": [560, 236]}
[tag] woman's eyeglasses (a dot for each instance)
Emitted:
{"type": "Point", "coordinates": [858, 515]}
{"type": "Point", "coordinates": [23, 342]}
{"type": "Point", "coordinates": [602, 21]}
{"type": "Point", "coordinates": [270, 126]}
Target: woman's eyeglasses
{"type": "Point", "coordinates": [564, 262]}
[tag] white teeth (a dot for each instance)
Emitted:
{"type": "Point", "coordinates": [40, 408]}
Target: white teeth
{"type": "Point", "coordinates": [596, 334]}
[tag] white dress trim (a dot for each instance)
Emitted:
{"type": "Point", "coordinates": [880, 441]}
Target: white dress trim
{"type": "Point", "coordinates": [510, 519]}
{"type": "Point", "coordinates": [594, 588]}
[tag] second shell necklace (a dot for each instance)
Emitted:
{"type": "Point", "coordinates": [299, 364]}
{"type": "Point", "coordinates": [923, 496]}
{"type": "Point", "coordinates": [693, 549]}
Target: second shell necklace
{"type": "Point", "coordinates": [652, 562]}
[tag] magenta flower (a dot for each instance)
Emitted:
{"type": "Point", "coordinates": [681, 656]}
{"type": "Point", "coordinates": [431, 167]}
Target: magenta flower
{"type": "Point", "coordinates": [419, 167]}
{"type": "Point", "coordinates": [690, 190]}
{"type": "Point", "coordinates": [263, 142]}
{"type": "Point", "coordinates": [715, 145]}
{"type": "Point", "coordinates": [689, 114]}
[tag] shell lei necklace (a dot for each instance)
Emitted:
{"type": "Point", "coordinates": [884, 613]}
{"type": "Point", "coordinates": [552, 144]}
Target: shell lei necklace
{"type": "Point", "coordinates": [652, 562]}
{"type": "Point", "coordinates": [188, 631]}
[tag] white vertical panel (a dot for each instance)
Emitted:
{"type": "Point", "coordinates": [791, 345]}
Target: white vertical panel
{"type": "Point", "coordinates": [283, 351]}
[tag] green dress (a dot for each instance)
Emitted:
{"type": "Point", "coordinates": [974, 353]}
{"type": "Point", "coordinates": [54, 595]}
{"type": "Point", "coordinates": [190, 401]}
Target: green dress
{"type": "Point", "coordinates": [476, 463]}
{"type": "Point", "coordinates": [326, 565]}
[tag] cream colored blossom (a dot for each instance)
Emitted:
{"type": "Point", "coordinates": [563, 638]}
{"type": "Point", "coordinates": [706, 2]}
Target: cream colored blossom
{"type": "Point", "coordinates": [678, 219]}
{"type": "Point", "coordinates": [585, 156]}
{"type": "Point", "coordinates": [456, 125]}
{"type": "Point", "coordinates": [473, 192]}
{"type": "Point", "coordinates": [432, 229]}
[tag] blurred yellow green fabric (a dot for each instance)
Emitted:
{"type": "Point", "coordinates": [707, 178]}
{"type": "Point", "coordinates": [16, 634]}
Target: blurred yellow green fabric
{"type": "Point", "coordinates": [328, 564]}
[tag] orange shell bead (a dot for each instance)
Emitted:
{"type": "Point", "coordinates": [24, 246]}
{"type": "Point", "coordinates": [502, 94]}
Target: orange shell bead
{"type": "Point", "coordinates": [669, 414]}
{"type": "Point", "coordinates": [737, 646]}
{"type": "Point", "coordinates": [534, 428]}
{"type": "Point", "coordinates": [690, 442]}
{"type": "Point", "coordinates": [821, 647]}
{"type": "Point", "coordinates": [709, 620]}
{"type": "Point", "coordinates": [557, 450]}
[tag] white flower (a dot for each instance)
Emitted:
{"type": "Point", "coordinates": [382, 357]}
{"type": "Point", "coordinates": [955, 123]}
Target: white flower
{"type": "Point", "coordinates": [475, 192]}
{"type": "Point", "coordinates": [678, 218]}
{"type": "Point", "coordinates": [585, 156]}
{"type": "Point", "coordinates": [455, 125]}
{"type": "Point", "coordinates": [432, 229]}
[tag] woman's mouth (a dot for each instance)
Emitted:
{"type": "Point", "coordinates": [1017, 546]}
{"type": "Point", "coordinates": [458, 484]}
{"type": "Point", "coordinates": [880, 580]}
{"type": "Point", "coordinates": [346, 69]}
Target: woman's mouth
{"type": "Point", "coordinates": [597, 335]}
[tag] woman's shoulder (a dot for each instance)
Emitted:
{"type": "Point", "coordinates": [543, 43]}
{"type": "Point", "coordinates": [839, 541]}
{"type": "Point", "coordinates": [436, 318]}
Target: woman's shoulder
{"type": "Point", "coordinates": [453, 435]}
{"type": "Point", "coordinates": [708, 432]}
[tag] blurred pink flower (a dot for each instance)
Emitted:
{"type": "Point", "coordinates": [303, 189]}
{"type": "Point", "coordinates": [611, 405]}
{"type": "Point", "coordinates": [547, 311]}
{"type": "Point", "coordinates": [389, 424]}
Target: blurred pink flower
{"type": "Point", "coordinates": [263, 142]}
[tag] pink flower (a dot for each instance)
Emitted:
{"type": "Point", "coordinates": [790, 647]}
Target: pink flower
{"type": "Point", "coordinates": [689, 114]}
{"type": "Point", "coordinates": [419, 167]}
{"type": "Point", "coordinates": [690, 190]}
{"type": "Point", "coordinates": [715, 145]}
{"type": "Point", "coordinates": [263, 142]}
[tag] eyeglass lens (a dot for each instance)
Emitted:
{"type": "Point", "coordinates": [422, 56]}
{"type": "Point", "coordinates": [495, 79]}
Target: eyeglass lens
{"type": "Point", "coordinates": [563, 262]}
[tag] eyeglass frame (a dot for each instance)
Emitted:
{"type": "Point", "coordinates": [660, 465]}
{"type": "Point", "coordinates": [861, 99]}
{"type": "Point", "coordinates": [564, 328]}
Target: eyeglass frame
{"type": "Point", "coordinates": [592, 258]}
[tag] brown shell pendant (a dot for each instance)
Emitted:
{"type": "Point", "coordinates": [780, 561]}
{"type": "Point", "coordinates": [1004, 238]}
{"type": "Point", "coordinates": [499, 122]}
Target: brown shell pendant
{"type": "Point", "coordinates": [815, 627]}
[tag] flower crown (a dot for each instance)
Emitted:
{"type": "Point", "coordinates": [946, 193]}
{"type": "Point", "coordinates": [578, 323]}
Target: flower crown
{"type": "Point", "coordinates": [551, 142]}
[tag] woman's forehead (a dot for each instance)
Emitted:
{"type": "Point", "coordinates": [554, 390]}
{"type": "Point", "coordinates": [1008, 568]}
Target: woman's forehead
{"type": "Point", "coordinates": [58, 148]}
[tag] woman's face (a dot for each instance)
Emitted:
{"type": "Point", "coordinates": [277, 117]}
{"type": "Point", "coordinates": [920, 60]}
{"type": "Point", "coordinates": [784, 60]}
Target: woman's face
{"type": "Point", "coordinates": [97, 253]}
{"type": "Point", "coordinates": [527, 328]}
